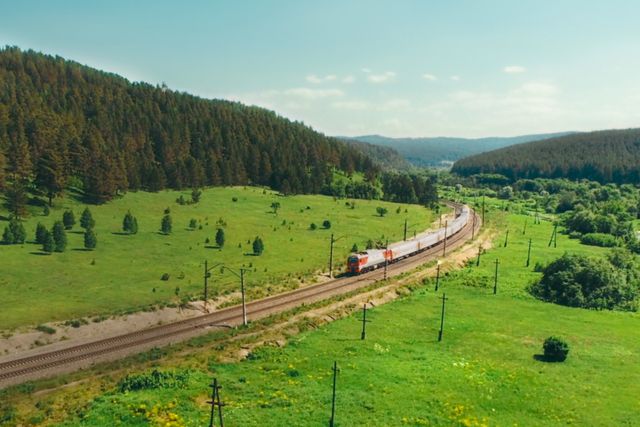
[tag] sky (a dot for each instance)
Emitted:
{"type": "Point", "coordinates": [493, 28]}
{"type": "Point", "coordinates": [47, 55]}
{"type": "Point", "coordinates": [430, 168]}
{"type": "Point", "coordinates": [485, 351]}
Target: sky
{"type": "Point", "coordinates": [396, 68]}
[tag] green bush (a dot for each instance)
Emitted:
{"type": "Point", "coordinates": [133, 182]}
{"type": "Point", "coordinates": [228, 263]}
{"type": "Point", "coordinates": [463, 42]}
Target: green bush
{"type": "Point", "coordinates": [166, 224]}
{"type": "Point", "coordinates": [599, 239]}
{"type": "Point", "coordinates": [555, 349]}
{"type": "Point", "coordinates": [258, 246]}
{"type": "Point", "coordinates": [154, 380]}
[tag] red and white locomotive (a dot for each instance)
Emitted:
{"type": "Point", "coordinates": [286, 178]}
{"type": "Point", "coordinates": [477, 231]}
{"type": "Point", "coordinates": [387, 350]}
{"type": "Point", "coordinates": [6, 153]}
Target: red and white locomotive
{"type": "Point", "coordinates": [373, 258]}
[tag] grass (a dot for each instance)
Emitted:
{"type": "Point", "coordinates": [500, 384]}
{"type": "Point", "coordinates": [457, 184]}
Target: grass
{"type": "Point", "coordinates": [123, 274]}
{"type": "Point", "coordinates": [483, 373]}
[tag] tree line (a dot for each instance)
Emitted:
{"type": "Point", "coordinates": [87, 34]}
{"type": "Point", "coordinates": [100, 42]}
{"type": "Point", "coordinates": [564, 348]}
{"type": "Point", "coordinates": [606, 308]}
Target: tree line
{"type": "Point", "coordinates": [63, 124]}
{"type": "Point", "coordinates": [610, 156]}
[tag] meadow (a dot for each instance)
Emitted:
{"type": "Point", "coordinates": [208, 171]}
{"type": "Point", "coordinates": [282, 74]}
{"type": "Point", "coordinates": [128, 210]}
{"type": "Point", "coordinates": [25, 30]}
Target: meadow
{"type": "Point", "coordinates": [123, 274]}
{"type": "Point", "coordinates": [484, 372]}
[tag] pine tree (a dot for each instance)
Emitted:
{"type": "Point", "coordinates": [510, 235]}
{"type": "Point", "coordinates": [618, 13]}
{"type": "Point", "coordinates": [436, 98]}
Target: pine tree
{"type": "Point", "coordinates": [258, 246]}
{"type": "Point", "coordinates": [195, 195]}
{"type": "Point", "coordinates": [48, 242]}
{"type": "Point", "coordinates": [354, 248]}
{"type": "Point", "coordinates": [86, 220]}
{"type": "Point", "coordinates": [129, 224]}
{"type": "Point", "coordinates": [18, 231]}
{"type": "Point", "coordinates": [134, 226]}
{"type": "Point", "coordinates": [166, 224]}
{"type": "Point", "coordinates": [90, 239]}
{"type": "Point", "coordinates": [59, 237]}
{"type": "Point", "coordinates": [220, 238]}
{"type": "Point", "coordinates": [2, 167]}
{"type": "Point", "coordinates": [68, 219]}
{"type": "Point", "coordinates": [16, 196]}
{"type": "Point", "coordinates": [41, 231]}
{"type": "Point", "coordinates": [7, 236]}
{"type": "Point", "coordinates": [50, 174]}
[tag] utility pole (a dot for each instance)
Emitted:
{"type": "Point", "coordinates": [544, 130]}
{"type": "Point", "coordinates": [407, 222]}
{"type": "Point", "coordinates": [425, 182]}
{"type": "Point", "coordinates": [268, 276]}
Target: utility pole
{"type": "Point", "coordinates": [331, 258]}
{"type": "Point", "coordinates": [386, 259]}
{"type": "Point", "coordinates": [554, 236]}
{"type": "Point", "coordinates": [333, 398]}
{"type": "Point", "coordinates": [364, 322]}
{"type": "Point", "coordinates": [524, 229]}
{"type": "Point", "coordinates": [405, 229]}
{"type": "Point", "coordinates": [479, 253]}
{"type": "Point", "coordinates": [215, 402]}
{"type": "Point", "coordinates": [529, 253]}
{"type": "Point", "coordinates": [440, 223]}
{"type": "Point", "coordinates": [506, 239]}
{"type": "Point", "coordinates": [444, 298]}
{"type": "Point", "coordinates": [437, 275]}
{"type": "Point", "coordinates": [495, 278]}
{"type": "Point", "coordinates": [241, 277]}
{"type": "Point", "coordinates": [444, 247]}
{"type": "Point", "coordinates": [473, 227]}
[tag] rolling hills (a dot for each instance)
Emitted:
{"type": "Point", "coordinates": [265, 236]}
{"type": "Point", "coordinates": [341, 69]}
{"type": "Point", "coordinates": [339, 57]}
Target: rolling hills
{"type": "Point", "coordinates": [604, 156]}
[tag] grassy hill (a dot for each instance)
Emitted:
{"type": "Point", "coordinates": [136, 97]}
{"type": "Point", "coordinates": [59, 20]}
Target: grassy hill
{"type": "Point", "coordinates": [603, 156]}
{"type": "Point", "coordinates": [482, 373]}
{"type": "Point", "coordinates": [123, 273]}
{"type": "Point", "coordinates": [443, 151]}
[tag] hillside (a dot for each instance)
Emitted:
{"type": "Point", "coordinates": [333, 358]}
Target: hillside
{"type": "Point", "coordinates": [603, 156]}
{"type": "Point", "coordinates": [384, 157]}
{"type": "Point", "coordinates": [64, 123]}
{"type": "Point", "coordinates": [443, 151]}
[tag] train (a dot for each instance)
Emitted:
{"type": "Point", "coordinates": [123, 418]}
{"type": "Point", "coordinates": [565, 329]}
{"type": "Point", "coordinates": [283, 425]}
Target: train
{"type": "Point", "coordinates": [371, 259]}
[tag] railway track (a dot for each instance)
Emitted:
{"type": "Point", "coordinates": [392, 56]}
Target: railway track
{"type": "Point", "coordinates": [78, 356]}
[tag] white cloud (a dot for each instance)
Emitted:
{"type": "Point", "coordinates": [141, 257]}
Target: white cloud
{"type": "Point", "coordinates": [348, 79]}
{"type": "Point", "coordinates": [455, 78]}
{"type": "Point", "coordinates": [312, 94]}
{"type": "Point", "coordinates": [429, 77]}
{"type": "Point", "coordinates": [352, 105]}
{"type": "Point", "coordinates": [514, 69]}
{"type": "Point", "coordinates": [366, 70]}
{"type": "Point", "coordinates": [321, 79]}
{"type": "Point", "coordinates": [393, 104]}
{"type": "Point", "coordinates": [382, 78]}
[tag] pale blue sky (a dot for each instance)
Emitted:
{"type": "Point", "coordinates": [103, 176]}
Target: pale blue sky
{"type": "Point", "coordinates": [398, 68]}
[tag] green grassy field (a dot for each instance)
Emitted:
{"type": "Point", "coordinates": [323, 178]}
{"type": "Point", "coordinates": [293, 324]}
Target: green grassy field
{"type": "Point", "coordinates": [123, 273]}
{"type": "Point", "coordinates": [483, 373]}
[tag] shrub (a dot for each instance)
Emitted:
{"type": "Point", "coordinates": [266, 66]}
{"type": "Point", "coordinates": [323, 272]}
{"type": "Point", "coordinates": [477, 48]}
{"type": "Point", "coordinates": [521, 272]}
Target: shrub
{"type": "Point", "coordinates": [14, 233]}
{"type": "Point", "coordinates": [599, 239]}
{"type": "Point", "coordinates": [313, 226]}
{"type": "Point", "coordinates": [381, 211]}
{"type": "Point", "coordinates": [220, 237]}
{"type": "Point", "coordinates": [47, 242]}
{"type": "Point", "coordinates": [326, 224]}
{"type": "Point", "coordinates": [90, 239]}
{"type": "Point", "coordinates": [193, 223]}
{"type": "Point", "coordinates": [46, 329]}
{"type": "Point", "coordinates": [164, 277]}
{"type": "Point", "coordinates": [555, 349]}
{"type": "Point", "coordinates": [68, 219]}
{"type": "Point", "coordinates": [86, 219]}
{"type": "Point", "coordinates": [153, 380]}
{"type": "Point", "coordinates": [59, 237]}
{"type": "Point", "coordinates": [130, 223]}
{"type": "Point", "coordinates": [195, 195]}
{"type": "Point", "coordinates": [235, 199]}
{"type": "Point", "coordinates": [180, 200]}
{"type": "Point", "coordinates": [354, 248]}
{"type": "Point", "coordinates": [7, 236]}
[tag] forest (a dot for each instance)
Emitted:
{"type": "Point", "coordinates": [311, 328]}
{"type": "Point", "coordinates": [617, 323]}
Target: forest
{"type": "Point", "coordinates": [610, 156]}
{"type": "Point", "coordinates": [63, 124]}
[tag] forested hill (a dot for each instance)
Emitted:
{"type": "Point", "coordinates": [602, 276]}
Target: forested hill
{"type": "Point", "coordinates": [604, 156]}
{"type": "Point", "coordinates": [385, 157]}
{"type": "Point", "coordinates": [63, 122]}
{"type": "Point", "coordinates": [443, 151]}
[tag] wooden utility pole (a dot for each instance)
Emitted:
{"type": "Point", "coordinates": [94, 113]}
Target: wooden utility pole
{"type": "Point", "coordinates": [479, 253]}
{"type": "Point", "coordinates": [437, 275]}
{"type": "Point", "coordinates": [331, 257]}
{"type": "Point", "coordinates": [554, 236]}
{"type": "Point", "coordinates": [529, 253]}
{"type": "Point", "coordinates": [524, 229]}
{"type": "Point", "coordinates": [495, 278]}
{"type": "Point", "coordinates": [206, 284]}
{"type": "Point", "coordinates": [405, 229]}
{"type": "Point", "coordinates": [444, 298]}
{"type": "Point", "coordinates": [506, 239]}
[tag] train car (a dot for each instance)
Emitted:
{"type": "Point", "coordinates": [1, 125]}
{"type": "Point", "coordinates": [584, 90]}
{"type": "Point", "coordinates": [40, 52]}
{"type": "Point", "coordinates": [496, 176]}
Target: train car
{"type": "Point", "coordinates": [371, 259]}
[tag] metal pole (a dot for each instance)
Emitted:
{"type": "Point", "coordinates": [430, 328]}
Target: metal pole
{"type": "Point", "coordinates": [333, 399]}
{"type": "Point", "coordinates": [214, 388]}
{"type": "Point", "coordinates": [506, 239]}
{"type": "Point", "coordinates": [444, 248]}
{"type": "Point", "coordinates": [331, 258]}
{"type": "Point", "coordinates": [206, 284]}
{"type": "Point", "coordinates": [244, 307]}
{"type": "Point", "coordinates": [405, 229]}
{"type": "Point", "coordinates": [364, 322]}
{"type": "Point", "coordinates": [495, 278]}
{"type": "Point", "coordinates": [220, 405]}
{"type": "Point", "coordinates": [479, 252]}
{"type": "Point", "coordinates": [529, 253]}
{"type": "Point", "coordinates": [442, 319]}
{"type": "Point", "coordinates": [437, 276]}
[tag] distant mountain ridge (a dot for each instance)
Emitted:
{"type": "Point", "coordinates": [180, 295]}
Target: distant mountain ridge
{"type": "Point", "coordinates": [444, 151]}
{"type": "Point", "coordinates": [386, 158]}
{"type": "Point", "coordinates": [608, 156]}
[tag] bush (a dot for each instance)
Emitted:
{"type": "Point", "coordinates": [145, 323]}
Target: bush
{"type": "Point", "coordinates": [41, 230]}
{"type": "Point", "coordinates": [555, 349]}
{"type": "Point", "coordinates": [153, 380]}
{"type": "Point", "coordinates": [164, 277]}
{"type": "Point", "coordinates": [68, 219]}
{"type": "Point", "coordinates": [130, 223]}
{"type": "Point", "coordinates": [46, 329]}
{"type": "Point", "coordinates": [195, 195]}
{"type": "Point", "coordinates": [381, 211]}
{"type": "Point", "coordinates": [326, 224]}
{"type": "Point", "coordinates": [166, 224]}
{"type": "Point", "coordinates": [59, 237]}
{"type": "Point", "coordinates": [599, 239]}
{"type": "Point", "coordinates": [258, 246]}
{"type": "Point", "coordinates": [354, 248]}
{"type": "Point", "coordinates": [220, 238]}
{"type": "Point", "coordinates": [193, 223]}
{"type": "Point", "coordinates": [180, 200]}
{"type": "Point", "coordinates": [14, 233]}
{"type": "Point", "coordinates": [7, 236]}
{"type": "Point", "coordinates": [47, 242]}
{"type": "Point", "coordinates": [312, 226]}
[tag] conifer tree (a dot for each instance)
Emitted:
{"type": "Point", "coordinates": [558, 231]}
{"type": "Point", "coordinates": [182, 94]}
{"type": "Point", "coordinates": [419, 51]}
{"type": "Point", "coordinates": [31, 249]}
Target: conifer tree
{"type": "Point", "coordinates": [41, 231]}
{"type": "Point", "coordinates": [50, 174]}
{"type": "Point", "coordinates": [7, 236]}
{"type": "Point", "coordinates": [166, 224]}
{"type": "Point", "coordinates": [48, 243]}
{"type": "Point", "coordinates": [18, 231]}
{"type": "Point", "coordinates": [220, 238]}
{"type": "Point", "coordinates": [16, 196]}
{"type": "Point", "coordinates": [68, 219]}
{"type": "Point", "coordinates": [86, 220]}
{"type": "Point", "coordinates": [258, 246]}
{"type": "Point", "coordinates": [129, 223]}
{"type": "Point", "coordinates": [59, 237]}
{"type": "Point", "coordinates": [90, 239]}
